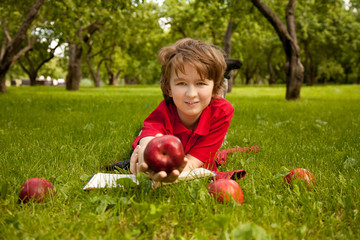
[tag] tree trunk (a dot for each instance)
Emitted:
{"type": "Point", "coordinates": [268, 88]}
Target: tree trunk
{"type": "Point", "coordinates": [130, 80]}
{"type": "Point", "coordinates": [296, 71]}
{"type": "Point", "coordinates": [95, 75]}
{"type": "Point", "coordinates": [73, 76]}
{"type": "Point", "coordinates": [2, 82]}
{"type": "Point", "coordinates": [12, 50]}
{"type": "Point", "coordinates": [227, 49]}
{"type": "Point", "coordinates": [272, 78]}
{"type": "Point", "coordinates": [29, 71]}
{"type": "Point", "coordinates": [227, 37]}
{"type": "Point", "coordinates": [248, 76]}
{"type": "Point", "coordinates": [112, 77]}
{"type": "Point", "coordinates": [294, 76]}
{"type": "Point", "coordinates": [110, 73]}
{"type": "Point", "coordinates": [116, 78]}
{"type": "Point", "coordinates": [33, 79]}
{"type": "Point", "coordinates": [293, 67]}
{"type": "Point", "coordinates": [250, 71]}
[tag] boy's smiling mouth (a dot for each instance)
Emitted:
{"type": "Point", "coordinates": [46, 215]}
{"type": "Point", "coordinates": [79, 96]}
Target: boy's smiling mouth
{"type": "Point", "coordinates": [191, 103]}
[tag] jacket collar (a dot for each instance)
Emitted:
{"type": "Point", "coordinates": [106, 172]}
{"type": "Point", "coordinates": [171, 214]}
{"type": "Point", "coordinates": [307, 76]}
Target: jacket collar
{"type": "Point", "coordinates": [203, 126]}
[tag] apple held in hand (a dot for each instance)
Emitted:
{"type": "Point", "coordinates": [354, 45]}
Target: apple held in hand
{"type": "Point", "coordinates": [164, 153]}
{"type": "Point", "coordinates": [300, 173]}
{"type": "Point", "coordinates": [223, 190]}
{"type": "Point", "coordinates": [37, 189]}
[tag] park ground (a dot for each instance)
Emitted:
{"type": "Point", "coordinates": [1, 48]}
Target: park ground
{"type": "Point", "coordinates": [66, 136]}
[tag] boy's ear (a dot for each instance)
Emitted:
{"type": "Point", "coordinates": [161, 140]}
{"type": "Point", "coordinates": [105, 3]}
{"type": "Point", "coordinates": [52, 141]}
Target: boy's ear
{"type": "Point", "coordinates": [170, 93]}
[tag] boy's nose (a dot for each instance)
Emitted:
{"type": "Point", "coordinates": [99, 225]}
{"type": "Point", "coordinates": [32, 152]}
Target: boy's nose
{"type": "Point", "coordinates": [191, 91]}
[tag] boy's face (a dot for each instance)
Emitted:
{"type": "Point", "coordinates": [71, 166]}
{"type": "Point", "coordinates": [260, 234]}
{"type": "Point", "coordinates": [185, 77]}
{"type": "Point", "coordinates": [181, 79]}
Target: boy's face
{"type": "Point", "coordinates": [190, 94]}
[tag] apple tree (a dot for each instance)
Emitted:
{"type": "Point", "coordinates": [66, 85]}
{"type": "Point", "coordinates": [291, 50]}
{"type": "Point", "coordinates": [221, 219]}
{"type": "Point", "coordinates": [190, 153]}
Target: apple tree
{"type": "Point", "coordinates": [293, 68]}
{"type": "Point", "coordinates": [11, 16]}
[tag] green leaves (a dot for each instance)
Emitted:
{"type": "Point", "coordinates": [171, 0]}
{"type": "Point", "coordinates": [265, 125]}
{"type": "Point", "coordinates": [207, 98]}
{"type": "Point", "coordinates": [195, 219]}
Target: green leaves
{"type": "Point", "coordinates": [248, 231]}
{"type": "Point", "coordinates": [4, 187]}
{"type": "Point", "coordinates": [102, 202]}
{"type": "Point", "coordinates": [145, 183]}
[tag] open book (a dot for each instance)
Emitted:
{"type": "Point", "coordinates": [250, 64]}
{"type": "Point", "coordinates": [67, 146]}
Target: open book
{"type": "Point", "coordinates": [110, 180]}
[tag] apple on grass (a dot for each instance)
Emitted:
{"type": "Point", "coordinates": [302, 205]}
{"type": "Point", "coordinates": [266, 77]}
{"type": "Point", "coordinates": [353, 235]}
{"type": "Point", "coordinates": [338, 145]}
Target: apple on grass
{"type": "Point", "coordinates": [300, 173]}
{"type": "Point", "coordinates": [36, 189]}
{"type": "Point", "coordinates": [165, 153]}
{"type": "Point", "coordinates": [224, 190]}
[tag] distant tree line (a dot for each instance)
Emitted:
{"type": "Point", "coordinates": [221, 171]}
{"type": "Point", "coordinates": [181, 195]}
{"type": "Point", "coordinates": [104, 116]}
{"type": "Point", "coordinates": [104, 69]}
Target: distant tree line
{"type": "Point", "coordinates": [116, 41]}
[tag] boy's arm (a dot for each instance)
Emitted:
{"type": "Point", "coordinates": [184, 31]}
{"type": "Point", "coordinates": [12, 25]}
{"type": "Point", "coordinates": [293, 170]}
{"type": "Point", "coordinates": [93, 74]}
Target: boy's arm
{"type": "Point", "coordinates": [192, 163]}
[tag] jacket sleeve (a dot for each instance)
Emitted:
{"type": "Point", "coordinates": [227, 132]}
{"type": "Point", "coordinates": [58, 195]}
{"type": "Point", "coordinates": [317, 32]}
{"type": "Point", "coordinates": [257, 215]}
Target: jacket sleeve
{"type": "Point", "coordinates": [157, 122]}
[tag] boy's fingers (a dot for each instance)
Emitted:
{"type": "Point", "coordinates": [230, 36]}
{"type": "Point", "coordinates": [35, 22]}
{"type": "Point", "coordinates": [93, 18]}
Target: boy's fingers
{"type": "Point", "coordinates": [175, 173]}
{"type": "Point", "coordinates": [184, 164]}
{"type": "Point", "coordinates": [162, 176]}
{"type": "Point", "coordinates": [143, 167]}
{"type": "Point", "coordinates": [159, 176]}
{"type": "Point", "coordinates": [134, 160]}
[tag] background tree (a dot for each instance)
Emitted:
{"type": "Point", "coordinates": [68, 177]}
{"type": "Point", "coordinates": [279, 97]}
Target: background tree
{"type": "Point", "coordinates": [329, 36]}
{"type": "Point", "coordinates": [294, 68]}
{"type": "Point", "coordinates": [142, 42]}
{"type": "Point", "coordinates": [11, 46]}
{"type": "Point", "coordinates": [309, 32]}
{"type": "Point", "coordinates": [47, 38]}
{"type": "Point", "coordinates": [100, 49]}
{"type": "Point", "coordinates": [82, 20]}
{"type": "Point", "coordinates": [112, 67]}
{"type": "Point", "coordinates": [257, 45]}
{"type": "Point", "coordinates": [98, 54]}
{"type": "Point", "coordinates": [115, 41]}
{"type": "Point", "coordinates": [354, 11]}
{"type": "Point", "coordinates": [41, 53]}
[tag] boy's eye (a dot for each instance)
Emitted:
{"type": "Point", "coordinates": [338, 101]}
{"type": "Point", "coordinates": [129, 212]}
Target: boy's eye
{"type": "Point", "coordinates": [180, 83]}
{"type": "Point", "coordinates": [201, 83]}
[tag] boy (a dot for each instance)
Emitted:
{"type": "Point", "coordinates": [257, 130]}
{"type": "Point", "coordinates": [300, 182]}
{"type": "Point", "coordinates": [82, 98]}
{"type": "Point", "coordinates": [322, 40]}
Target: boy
{"type": "Point", "coordinates": [192, 78]}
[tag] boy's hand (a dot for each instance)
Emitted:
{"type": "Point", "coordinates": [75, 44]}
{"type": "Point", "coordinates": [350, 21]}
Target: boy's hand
{"type": "Point", "coordinates": [162, 176]}
{"type": "Point", "coordinates": [137, 165]}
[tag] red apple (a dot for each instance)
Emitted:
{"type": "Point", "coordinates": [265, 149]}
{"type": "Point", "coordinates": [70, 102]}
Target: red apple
{"type": "Point", "coordinates": [36, 189]}
{"type": "Point", "coordinates": [223, 190]}
{"type": "Point", "coordinates": [300, 173]}
{"type": "Point", "coordinates": [164, 153]}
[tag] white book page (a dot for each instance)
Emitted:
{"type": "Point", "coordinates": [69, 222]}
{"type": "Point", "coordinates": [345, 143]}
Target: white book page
{"type": "Point", "coordinates": [108, 180]}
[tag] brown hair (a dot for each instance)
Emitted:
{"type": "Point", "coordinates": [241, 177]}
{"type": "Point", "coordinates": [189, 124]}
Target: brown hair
{"type": "Point", "coordinates": [207, 59]}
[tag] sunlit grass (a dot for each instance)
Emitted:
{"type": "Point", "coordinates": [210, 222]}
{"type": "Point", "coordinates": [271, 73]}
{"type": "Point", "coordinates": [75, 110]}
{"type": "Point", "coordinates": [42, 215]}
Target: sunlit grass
{"type": "Point", "coordinates": [67, 136]}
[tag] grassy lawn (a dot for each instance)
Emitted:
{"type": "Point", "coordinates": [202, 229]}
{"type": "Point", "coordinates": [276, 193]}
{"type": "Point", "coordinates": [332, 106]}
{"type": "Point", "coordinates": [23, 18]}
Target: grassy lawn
{"type": "Point", "coordinates": [66, 137]}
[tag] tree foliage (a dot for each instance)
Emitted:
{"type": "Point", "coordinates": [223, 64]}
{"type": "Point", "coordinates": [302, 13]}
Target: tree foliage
{"type": "Point", "coordinates": [116, 41]}
{"type": "Point", "coordinates": [11, 45]}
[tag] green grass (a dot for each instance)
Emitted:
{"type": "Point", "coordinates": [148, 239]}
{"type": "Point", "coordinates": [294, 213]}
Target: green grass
{"type": "Point", "coordinates": [66, 137]}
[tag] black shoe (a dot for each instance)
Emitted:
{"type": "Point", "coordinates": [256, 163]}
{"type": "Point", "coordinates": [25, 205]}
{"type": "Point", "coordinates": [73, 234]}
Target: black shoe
{"type": "Point", "coordinates": [118, 165]}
